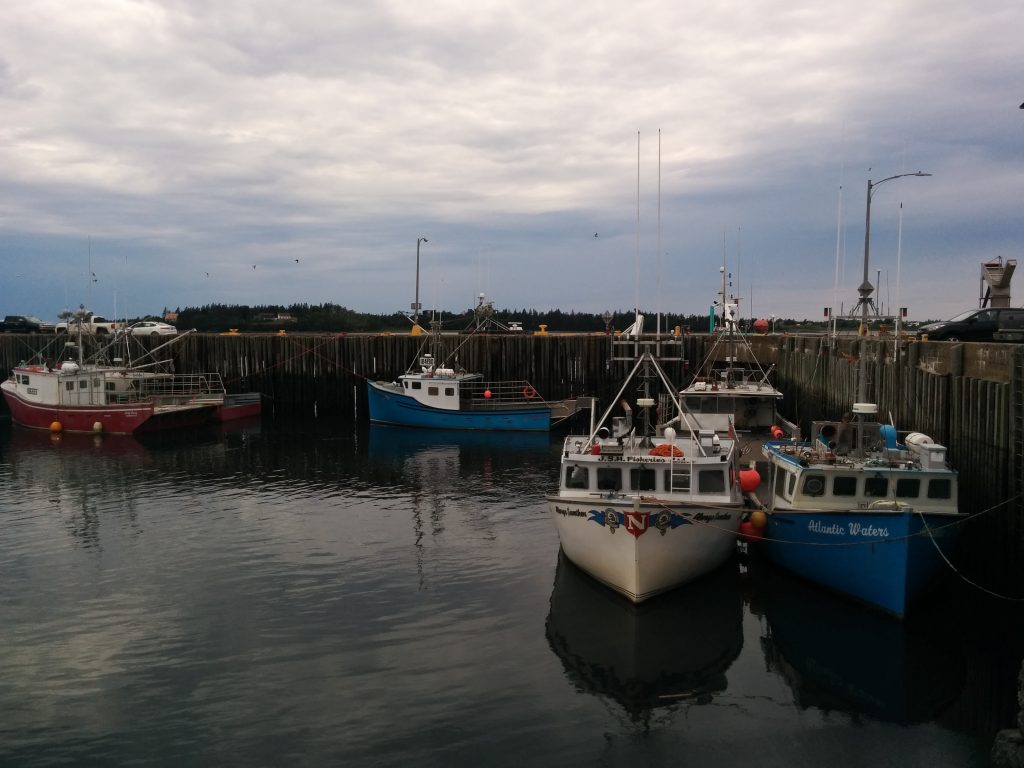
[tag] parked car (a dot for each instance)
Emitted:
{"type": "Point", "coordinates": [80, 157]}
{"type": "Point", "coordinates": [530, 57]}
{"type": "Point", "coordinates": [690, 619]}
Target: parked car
{"type": "Point", "coordinates": [989, 324]}
{"type": "Point", "coordinates": [24, 324]}
{"type": "Point", "coordinates": [152, 328]}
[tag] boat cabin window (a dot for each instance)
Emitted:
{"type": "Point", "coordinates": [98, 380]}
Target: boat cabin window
{"type": "Point", "coordinates": [814, 485]}
{"type": "Point", "coordinates": [449, 391]}
{"type": "Point", "coordinates": [417, 385]}
{"type": "Point", "coordinates": [678, 478]}
{"type": "Point", "coordinates": [432, 391]}
{"type": "Point", "coordinates": [69, 386]}
{"type": "Point", "coordinates": [609, 479]}
{"type": "Point", "coordinates": [844, 486]}
{"type": "Point", "coordinates": [23, 379]}
{"type": "Point", "coordinates": [780, 482]}
{"type": "Point", "coordinates": [876, 487]}
{"type": "Point", "coordinates": [641, 479]}
{"type": "Point", "coordinates": [939, 489]}
{"type": "Point", "coordinates": [83, 384]}
{"type": "Point", "coordinates": [908, 488]}
{"type": "Point", "coordinates": [577, 477]}
{"type": "Point", "coordinates": [711, 481]}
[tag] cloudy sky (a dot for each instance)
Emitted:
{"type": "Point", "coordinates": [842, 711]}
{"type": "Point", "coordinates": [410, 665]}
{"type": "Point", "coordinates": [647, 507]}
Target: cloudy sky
{"type": "Point", "coordinates": [190, 152]}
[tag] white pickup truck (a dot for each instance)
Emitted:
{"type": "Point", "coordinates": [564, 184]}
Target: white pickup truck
{"type": "Point", "coordinates": [90, 323]}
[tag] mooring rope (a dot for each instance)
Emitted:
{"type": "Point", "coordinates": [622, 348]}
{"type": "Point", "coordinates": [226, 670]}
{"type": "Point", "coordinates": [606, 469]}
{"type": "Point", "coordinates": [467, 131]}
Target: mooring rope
{"type": "Point", "coordinates": [955, 570]}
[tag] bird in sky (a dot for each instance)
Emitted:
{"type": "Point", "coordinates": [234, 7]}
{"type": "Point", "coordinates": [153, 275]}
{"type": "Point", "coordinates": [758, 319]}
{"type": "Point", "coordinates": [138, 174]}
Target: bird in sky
{"type": "Point", "coordinates": [254, 266]}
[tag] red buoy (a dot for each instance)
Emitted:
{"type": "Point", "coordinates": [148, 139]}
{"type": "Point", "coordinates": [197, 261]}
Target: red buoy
{"type": "Point", "coordinates": [748, 532]}
{"type": "Point", "coordinates": [487, 394]}
{"type": "Point", "coordinates": [749, 480]}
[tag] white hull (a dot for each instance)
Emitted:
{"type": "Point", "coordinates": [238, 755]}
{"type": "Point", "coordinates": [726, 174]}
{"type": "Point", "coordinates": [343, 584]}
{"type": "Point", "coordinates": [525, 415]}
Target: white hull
{"type": "Point", "coordinates": [649, 548]}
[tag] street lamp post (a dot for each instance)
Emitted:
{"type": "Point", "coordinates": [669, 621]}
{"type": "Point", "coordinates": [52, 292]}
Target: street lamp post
{"type": "Point", "coordinates": [866, 289]}
{"type": "Point", "coordinates": [416, 306]}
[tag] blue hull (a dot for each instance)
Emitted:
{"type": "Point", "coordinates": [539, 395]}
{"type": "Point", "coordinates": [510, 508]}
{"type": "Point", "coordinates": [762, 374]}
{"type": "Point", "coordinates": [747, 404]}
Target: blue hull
{"type": "Point", "coordinates": [395, 408]}
{"type": "Point", "coordinates": [884, 560]}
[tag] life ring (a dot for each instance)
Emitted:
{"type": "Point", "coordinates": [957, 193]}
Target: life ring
{"type": "Point", "coordinates": [529, 392]}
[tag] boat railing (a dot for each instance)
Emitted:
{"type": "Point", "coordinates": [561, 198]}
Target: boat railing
{"type": "Point", "coordinates": [182, 387]}
{"type": "Point", "coordinates": [482, 393]}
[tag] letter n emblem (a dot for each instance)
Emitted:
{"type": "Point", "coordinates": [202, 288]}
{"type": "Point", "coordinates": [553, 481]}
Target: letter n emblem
{"type": "Point", "coordinates": [636, 522]}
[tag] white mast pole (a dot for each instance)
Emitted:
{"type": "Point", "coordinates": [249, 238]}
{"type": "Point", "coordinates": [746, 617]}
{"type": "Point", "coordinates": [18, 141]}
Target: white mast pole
{"type": "Point", "coordinates": [637, 236]}
{"type": "Point", "coordinates": [658, 285]}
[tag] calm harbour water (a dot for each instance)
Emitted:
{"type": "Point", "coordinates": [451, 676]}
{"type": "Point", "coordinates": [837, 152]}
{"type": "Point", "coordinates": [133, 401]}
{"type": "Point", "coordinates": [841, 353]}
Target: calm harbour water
{"type": "Point", "coordinates": [335, 595]}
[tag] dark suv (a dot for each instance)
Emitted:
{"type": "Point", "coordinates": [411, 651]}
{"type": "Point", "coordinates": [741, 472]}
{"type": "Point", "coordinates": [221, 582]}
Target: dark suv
{"type": "Point", "coordinates": [990, 324]}
{"type": "Point", "coordinates": [21, 324]}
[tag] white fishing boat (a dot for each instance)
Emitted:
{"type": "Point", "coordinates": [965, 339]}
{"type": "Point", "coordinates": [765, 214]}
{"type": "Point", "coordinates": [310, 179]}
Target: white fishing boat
{"type": "Point", "coordinates": [644, 507]}
{"type": "Point", "coordinates": [730, 379]}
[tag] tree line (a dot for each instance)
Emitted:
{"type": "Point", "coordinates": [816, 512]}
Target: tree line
{"type": "Point", "coordinates": [333, 318]}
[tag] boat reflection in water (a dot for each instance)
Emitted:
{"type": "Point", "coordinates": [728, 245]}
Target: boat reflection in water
{"type": "Point", "coordinates": [25, 445]}
{"type": "Point", "coordinates": [838, 655]}
{"type": "Point", "coordinates": [398, 442]}
{"type": "Point", "coordinates": [675, 647]}
{"type": "Point", "coordinates": [436, 458]}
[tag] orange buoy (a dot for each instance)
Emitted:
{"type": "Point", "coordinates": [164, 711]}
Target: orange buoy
{"type": "Point", "coordinates": [56, 426]}
{"type": "Point", "coordinates": [529, 392]}
{"type": "Point", "coordinates": [777, 432]}
{"type": "Point", "coordinates": [758, 519]}
{"type": "Point", "coordinates": [749, 480]}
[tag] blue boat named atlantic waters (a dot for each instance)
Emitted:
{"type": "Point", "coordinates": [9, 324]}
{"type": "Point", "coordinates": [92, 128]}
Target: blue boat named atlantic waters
{"type": "Point", "coordinates": [855, 508]}
{"type": "Point", "coordinates": [857, 511]}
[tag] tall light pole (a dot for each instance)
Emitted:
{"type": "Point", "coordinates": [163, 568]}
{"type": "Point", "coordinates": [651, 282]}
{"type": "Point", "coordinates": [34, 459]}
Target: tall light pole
{"type": "Point", "coordinates": [866, 288]}
{"type": "Point", "coordinates": [416, 306]}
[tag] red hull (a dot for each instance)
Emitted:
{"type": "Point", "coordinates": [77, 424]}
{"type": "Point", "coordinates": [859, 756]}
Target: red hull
{"type": "Point", "coordinates": [233, 412]}
{"type": "Point", "coordinates": [241, 406]}
{"type": "Point", "coordinates": [113, 419]}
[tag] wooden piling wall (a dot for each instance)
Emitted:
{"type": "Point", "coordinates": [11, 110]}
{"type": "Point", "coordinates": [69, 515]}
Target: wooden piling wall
{"type": "Point", "coordinates": [965, 396]}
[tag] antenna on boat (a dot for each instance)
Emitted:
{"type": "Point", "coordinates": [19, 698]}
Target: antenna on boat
{"type": "Point", "coordinates": [657, 297]}
{"type": "Point", "coordinates": [637, 235]}
{"type": "Point", "coordinates": [899, 258]}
